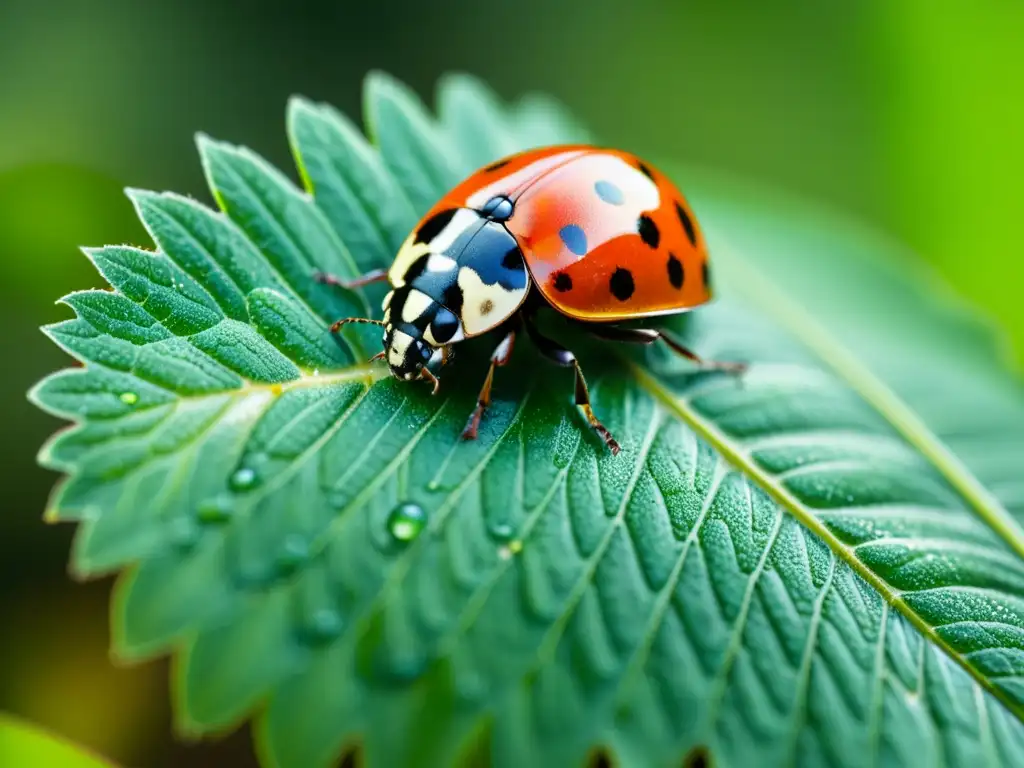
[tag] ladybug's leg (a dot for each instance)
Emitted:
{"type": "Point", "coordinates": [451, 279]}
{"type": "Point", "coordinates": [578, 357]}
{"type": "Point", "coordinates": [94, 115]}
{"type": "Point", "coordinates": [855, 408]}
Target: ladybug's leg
{"type": "Point", "coordinates": [376, 276]}
{"type": "Point", "coordinates": [649, 336]}
{"type": "Point", "coordinates": [562, 356]}
{"type": "Point", "coordinates": [500, 356]}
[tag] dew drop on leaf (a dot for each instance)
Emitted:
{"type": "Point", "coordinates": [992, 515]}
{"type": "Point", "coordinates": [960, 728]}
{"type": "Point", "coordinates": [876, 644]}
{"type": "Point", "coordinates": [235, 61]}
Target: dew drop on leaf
{"type": "Point", "coordinates": [294, 552]}
{"type": "Point", "coordinates": [325, 624]}
{"type": "Point", "coordinates": [243, 479]}
{"type": "Point", "coordinates": [406, 522]}
{"type": "Point", "coordinates": [470, 687]}
{"type": "Point", "coordinates": [507, 551]}
{"type": "Point", "coordinates": [129, 398]}
{"type": "Point", "coordinates": [502, 531]}
{"type": "Point", "coordinates": [183, 533]}
{"type": "Point", "coordinates": [218, 509]}
{"type": "Point", "coordinates": [405, 668]}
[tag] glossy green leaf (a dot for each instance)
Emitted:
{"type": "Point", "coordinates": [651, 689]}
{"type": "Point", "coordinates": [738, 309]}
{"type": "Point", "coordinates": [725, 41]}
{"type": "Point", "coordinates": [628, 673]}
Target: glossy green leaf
{"type": "Point", "coordinates": [817, 563]}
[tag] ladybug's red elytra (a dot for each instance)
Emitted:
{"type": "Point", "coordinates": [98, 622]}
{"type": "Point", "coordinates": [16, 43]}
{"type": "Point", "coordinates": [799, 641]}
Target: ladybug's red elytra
{"type": "Point", "coordinates": [596, 234]}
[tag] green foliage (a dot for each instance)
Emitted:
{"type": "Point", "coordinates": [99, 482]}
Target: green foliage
{"type": "Point", "coordinates": [24, 744]}
{"type": "Point", "coordinates": [817, 564]}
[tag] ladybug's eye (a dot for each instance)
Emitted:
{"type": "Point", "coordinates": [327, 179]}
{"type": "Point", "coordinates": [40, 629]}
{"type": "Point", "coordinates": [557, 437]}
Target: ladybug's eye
{"type": "Point", "coordinates": [498, 208]}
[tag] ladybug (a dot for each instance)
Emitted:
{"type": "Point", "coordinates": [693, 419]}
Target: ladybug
{"type": "Point", "coordinates": [596, 234]}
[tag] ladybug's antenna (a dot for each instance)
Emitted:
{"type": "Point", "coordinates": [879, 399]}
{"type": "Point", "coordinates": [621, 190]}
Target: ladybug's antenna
{"type": "Point", "coordinates": [346, 320]}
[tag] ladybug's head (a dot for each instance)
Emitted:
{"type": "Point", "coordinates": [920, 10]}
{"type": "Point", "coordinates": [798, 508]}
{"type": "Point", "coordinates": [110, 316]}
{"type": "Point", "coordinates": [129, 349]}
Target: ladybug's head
{"type": "Point", "coordinates": [407, 352]}
{"type": "Point", "coordinates": [417, 334]}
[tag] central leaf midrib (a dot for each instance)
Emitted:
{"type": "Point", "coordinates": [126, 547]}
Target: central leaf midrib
{"type": "Point", "coordinates": [877, 394]}
{"type": "Point", "coordinates": [740, 459]}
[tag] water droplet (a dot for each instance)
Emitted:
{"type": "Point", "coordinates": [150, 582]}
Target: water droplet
{"type": "Point", "coordinates": [325, 624]}
{"type": "Point", "coordinates": [507, 551]}
{"type": "Point", "coordinates": [405, 668]}
{"type": "Point", "coordinates": [183, 532]}
{"type": "Point", "coordinates": [407, 521]}
{"type": "Point", "coordinates": [316, 371]}
{"type": "Point", "coordinates": [129, 398]}
{"type": "Point", "coordinates": [433, 485]}
{"type": "Point", "coordinates": [294, 552]}
{"type": "Point", "coordinates": [502, 531]}
{"type": "Point", "coordinates": [219, 509]}
{"type": "Point", "coordinates": [471, 686]}
{"type": "Point", "coordinates": [243, 479]}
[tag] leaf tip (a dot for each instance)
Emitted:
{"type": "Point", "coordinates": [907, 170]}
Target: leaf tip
{"type": "Point", "coordinates": [51, 516]}
{"type": "Point", "coordinates": [210, 147]}
{"type": "Point", "coordinates": [35, 394]}
{"type": "Point", "coordinates": [378, 78]}
{"type": "Point", "coordinates": [299, 109]}
{"type": "Point", "coordinates": [297, 103]}
{"type": "Point", "coordinates": [92, 252]}
{"type": "Point", "coordinates": [453, 84]}
{"type": "Point", "coordinates": [380, 86]}
{"type": "Point", "coordinates": [139, 197]}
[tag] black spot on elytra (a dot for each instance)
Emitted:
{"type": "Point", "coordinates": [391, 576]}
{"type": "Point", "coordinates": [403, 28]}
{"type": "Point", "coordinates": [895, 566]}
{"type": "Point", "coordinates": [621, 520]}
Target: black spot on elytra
{"type": "Point", "coordinates": [648, 230]}
{"type": "Point", "coordinates": [621, 284]}
{"type": "Point", "coordinates": [562, 282]}
{"type": "Point", "coordinates": [705, 273]}
{"type": "Point", "coordinates": [687, 222]}
{"type": "Point", "coordinates": [513, 259]}
{"type": "Point", "coordinates": [433, 226]}
{"type": "Point", "coordinates": [675, 271]}
{"type": "Point", "coordinates": [496, 166]}
{"type": "Point", "coordinates": [645, 170]}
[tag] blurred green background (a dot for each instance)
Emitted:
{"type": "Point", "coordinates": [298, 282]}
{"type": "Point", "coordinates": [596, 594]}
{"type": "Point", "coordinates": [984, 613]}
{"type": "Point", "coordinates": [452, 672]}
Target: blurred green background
{"type": "Point", "coordinates": [907, 114]}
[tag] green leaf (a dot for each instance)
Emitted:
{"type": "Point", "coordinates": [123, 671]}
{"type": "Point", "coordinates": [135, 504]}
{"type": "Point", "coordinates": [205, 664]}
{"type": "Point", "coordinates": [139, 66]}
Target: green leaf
{"type": "Point", "coordinates": [24, 744]}
{"type": "Point", "coordinates": [818, 563]}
